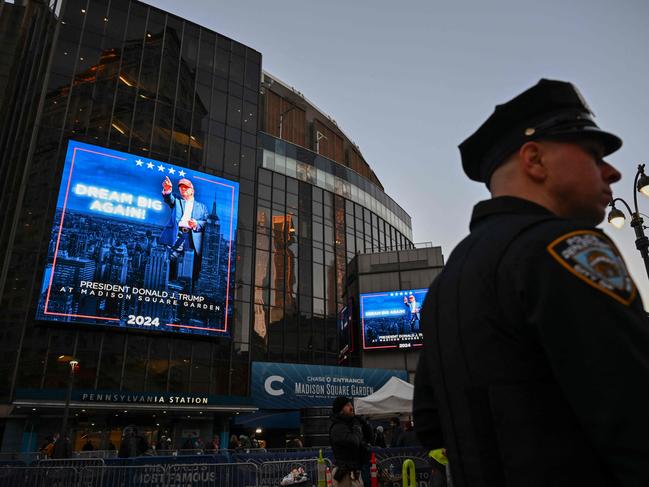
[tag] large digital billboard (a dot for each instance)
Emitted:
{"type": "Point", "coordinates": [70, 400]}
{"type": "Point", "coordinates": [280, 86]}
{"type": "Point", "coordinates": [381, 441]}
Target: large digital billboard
{"type": "Point", "coordinates": [392, 319]}
{"type": "Point", "coordinates": [140, 243]}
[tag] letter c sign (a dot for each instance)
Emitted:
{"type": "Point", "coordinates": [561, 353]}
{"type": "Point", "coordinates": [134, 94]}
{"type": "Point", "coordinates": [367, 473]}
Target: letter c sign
{"type": "Point", "coordinates": [268, 385]}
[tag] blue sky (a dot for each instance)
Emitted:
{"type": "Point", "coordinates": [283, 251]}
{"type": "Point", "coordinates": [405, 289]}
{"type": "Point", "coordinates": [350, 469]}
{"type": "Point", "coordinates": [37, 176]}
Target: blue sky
{"type": "Point", "coordinates": [408, 81]}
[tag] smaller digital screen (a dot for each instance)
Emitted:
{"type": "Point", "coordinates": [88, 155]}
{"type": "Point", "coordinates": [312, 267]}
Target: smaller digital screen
{"type": "Point", "coordinates": [392, 319]}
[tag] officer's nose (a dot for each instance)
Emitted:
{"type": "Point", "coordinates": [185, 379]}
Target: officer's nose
{"type": "Point", "coordinates": [609, 173]}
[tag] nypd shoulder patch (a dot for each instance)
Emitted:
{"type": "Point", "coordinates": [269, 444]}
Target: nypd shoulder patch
{"type": "Point", "coordinates": [594, 259]}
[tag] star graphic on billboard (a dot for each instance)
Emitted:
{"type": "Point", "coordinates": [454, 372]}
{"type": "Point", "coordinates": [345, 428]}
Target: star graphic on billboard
{"type": "Point", "coordinates": [149, 165]}
{"type": "Point", "coordinates": [139, 162]}
{"type": "Point", "coordinates": [181, 173]}
{"type": "Point", "coordinates": [161, 168]}
{"type": "Point", "coordinates": [171, 170]}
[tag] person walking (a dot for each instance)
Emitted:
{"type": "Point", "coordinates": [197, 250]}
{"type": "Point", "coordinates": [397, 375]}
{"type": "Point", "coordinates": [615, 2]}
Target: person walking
{"type": "Point", "coordinates": [535, 363]}
{"type": "Point", "coordinates": [350, 437]}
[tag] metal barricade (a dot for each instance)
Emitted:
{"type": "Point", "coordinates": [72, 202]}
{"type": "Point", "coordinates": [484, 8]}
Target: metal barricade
{"type": "Point", "coordinates": [124, 476]}
{"type": "Point", "coordinates": [54, 474]}
{"type": "Point", "coordinates": [13, 476]}
{"type": "Point", "coordinates": [97, 454]}
{"type": "Point", "coordinates": [213, 474]}
{"type": "Point", "coordinates": [9, 458]}
{"type": "Point", "coordinates": [39, 476]}
{"type": "Point", "coordinates": [70, 462]}
{"type": "Point", "coordinates": [272, 473]}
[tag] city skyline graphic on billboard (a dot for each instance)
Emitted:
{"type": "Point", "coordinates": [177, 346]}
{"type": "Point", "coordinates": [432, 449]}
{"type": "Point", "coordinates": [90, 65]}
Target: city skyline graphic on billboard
{"type": "Point", "coordinates": [139, 243]}
{"type": "Point", "coordinates": [392, 319]}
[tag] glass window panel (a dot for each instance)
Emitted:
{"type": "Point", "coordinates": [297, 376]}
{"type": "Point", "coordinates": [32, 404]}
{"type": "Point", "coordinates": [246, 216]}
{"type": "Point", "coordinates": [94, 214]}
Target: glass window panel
{"type": "Point", "coordinates": [235, 106]}
{"type": "Point", "coordinates": [318, 280]}
{"type": "Point", "coordinates": [136, 362]}
{"type": "Point", "coordinates": [236, 69]}
{"type": "Point", "coordinates": [222, 61]}
{"type": "Point", "coordinates": [110, 368]}
{"type": "Point", "coordinates": [179, 367]}
{"type": "Point", "coordinates": [290, 167]}
{"type": "Point", "coordinates": [158, 365]}
{"type": "Point", "coordinates": [218, 106]}
{"type": "Point", "coordinates": [231, 161]}
{"type": "Point", "coordinates": [206, 53]}
{"type": "Point", "coordinates": [280, 163]}
{"type": "Point", "coordinates": [250, 117]}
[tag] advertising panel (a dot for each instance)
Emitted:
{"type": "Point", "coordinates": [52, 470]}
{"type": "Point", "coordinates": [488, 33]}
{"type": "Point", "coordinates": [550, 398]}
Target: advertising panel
{"type": "Point", "coordinates": [296, 386]}
{"type": "Point", "coordinates": [392, 319]}
{"type": "Point", "coordinates": [139, 243]}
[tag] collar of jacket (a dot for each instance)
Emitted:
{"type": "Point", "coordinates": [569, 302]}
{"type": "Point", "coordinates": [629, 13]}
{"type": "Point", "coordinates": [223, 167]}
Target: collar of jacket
{"type": "Point", "coordinates": [505, 205]}
{"type": "Point", "coordinates": [341, 418]}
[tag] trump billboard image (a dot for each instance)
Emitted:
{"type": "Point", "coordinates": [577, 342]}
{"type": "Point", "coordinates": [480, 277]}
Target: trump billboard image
{"type": "Point", "coordinates": [139, 243]}
{"type": "Point", "coordinates": [392, 319]}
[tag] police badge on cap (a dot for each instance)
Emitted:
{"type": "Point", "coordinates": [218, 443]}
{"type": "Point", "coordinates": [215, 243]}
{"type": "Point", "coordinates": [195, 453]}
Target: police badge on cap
{"type": "Point", "coordinates": [550, 110]}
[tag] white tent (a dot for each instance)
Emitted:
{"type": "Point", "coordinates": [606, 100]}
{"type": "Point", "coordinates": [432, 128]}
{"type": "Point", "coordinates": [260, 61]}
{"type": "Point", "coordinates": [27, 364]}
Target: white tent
{"type": "Point", "coordinates": [394, 398]}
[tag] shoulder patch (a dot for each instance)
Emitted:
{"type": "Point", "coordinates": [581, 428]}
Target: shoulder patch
{"type": "Point", "coordinates": [594, 259]}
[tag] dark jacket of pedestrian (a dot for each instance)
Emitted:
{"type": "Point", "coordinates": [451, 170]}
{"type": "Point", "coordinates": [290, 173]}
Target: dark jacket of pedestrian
{"type": "Point", "coordinates": [62, 448]}
{"type": "Point", "coordinates": [350, 438]}
{"type": "Point", "coordinates": [379, 437]}
{"type": "Point", "coordinates": [394, 433]}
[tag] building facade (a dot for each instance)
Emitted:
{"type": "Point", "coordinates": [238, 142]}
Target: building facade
{"type": "Point", "coordinates": [129, 77]}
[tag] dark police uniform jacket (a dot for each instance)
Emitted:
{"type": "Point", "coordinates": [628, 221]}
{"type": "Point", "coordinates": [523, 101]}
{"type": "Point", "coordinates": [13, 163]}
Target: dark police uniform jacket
{"type": "Point", "coordinates": [535, 370]}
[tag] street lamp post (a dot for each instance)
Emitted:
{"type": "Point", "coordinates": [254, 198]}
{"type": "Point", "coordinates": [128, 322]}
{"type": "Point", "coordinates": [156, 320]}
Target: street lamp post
{"type": "Point", "coordinates": [616, 216]}
{"type": "Point", "coordinates": [66, 412]}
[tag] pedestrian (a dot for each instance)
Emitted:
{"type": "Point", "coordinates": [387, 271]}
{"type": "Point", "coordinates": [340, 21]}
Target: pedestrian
{"type": "Point", "coordinates": [62, 447]}
{"type": "Point", "coordinates": [132, 445]}
{"type": "Point", "coordinates": [234, 442]}
{"type": "Point", "coordinates": [48, 447]}
{"type": "Point", "coordinates": [379, 437]}
{"type": "Point", "coordinates": [394, 432]}
{"type": "Point", "coordinates": [215, 445]}
{"type": "Point", "coordinates": [408, 437]}
{"type": "Point", "coordinates": [535, 364]}
{"type": "Point", "coordinates": [349, 436]}
{"type": "Point", "coordinates": [88, 446]}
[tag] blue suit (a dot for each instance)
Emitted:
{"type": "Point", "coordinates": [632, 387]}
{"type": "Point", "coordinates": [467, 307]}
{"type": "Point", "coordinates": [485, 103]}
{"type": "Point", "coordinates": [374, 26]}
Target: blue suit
{"type": "Point", "coordinates": [169, 235]}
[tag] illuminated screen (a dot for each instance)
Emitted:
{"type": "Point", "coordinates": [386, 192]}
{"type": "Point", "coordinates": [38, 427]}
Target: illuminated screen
{"type": "Point", "coordinates": [139, 243]}
{"type": "Point", "coordinates": [392, 319]}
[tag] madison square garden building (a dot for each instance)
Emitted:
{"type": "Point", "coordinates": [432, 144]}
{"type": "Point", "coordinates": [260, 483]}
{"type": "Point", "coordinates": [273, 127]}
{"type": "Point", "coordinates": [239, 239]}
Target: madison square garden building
{"type": "Point", "coordinates": [124, 302]}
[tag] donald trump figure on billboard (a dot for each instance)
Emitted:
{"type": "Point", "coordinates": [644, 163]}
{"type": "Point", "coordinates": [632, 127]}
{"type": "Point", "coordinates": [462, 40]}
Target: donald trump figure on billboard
{"type": "Point", "coordinates": [184, 230]}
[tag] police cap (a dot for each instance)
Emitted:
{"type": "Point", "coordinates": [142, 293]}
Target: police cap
{"type": "Point", "coordinates": [550, 110]}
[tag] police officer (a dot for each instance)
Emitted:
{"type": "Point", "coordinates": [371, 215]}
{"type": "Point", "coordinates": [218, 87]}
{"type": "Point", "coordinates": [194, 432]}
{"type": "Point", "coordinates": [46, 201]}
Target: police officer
{"type": "Point", "coordinates": [535, 370]}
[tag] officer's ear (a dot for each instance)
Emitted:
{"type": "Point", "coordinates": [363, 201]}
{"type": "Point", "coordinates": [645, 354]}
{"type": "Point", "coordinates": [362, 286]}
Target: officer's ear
{"type": "Point", "coordinates": [531, 161]}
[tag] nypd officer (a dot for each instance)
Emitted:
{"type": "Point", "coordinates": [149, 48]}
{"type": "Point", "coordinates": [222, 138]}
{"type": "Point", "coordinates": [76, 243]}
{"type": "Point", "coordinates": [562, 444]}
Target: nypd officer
{"type": "Point", "coordinates": [535, 370]}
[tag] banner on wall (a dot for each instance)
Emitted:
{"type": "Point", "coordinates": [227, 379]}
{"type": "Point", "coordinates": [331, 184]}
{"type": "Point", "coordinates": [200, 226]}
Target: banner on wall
{"type": "Point", "coordinates": [297, 386]}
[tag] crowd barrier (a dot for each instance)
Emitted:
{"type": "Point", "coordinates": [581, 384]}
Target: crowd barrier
{"type": "Point", "coordinates": [238, 469]}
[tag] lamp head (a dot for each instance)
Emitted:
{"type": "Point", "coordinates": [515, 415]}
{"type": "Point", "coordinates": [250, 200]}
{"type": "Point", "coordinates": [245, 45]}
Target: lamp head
{"type": "Point", "coordinates": [616, 217]}
{"type": "Point", "coordinates": [643, 184]}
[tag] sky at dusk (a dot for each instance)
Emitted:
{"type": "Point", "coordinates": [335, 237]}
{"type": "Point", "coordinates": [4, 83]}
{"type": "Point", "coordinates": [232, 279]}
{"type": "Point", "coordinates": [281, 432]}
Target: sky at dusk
{"type": "Point", "coordinates": [408, 81]}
